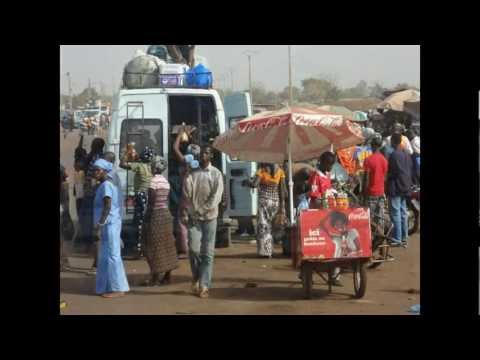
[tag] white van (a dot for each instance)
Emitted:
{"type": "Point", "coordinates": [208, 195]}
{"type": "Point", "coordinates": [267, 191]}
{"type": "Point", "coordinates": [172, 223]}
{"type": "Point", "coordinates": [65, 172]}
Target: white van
{"type": "Point", "coordinates": [146, 117]}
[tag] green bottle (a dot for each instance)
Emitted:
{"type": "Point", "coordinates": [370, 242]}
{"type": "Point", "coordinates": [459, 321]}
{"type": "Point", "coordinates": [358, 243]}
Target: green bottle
{"type": "Point", "coordinates": [324, 201]}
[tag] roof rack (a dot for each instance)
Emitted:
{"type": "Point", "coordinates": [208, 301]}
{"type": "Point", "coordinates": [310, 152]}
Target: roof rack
{"type": "Point", "coordinates": [185, 80]}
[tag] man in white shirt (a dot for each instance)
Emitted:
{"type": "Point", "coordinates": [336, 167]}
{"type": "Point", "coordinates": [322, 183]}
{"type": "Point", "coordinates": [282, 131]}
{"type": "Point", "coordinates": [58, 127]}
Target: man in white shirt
{"type": "Point", "coordinates": [415, 141]}
{"type": "Point", "coordinates": [202, 190]}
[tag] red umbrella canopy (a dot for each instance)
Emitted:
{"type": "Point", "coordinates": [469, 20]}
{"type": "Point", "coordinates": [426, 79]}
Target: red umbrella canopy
{"type": "Point", "coordinates": [264, 136]}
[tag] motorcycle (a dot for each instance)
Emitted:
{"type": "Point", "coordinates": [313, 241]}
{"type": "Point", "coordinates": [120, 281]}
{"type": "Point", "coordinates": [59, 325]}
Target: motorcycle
{"type": "Point", "coordinates": [413, 206]}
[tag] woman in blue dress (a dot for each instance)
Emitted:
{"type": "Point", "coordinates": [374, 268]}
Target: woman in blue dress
{"type": "Point", "coordinates": [111, 278]}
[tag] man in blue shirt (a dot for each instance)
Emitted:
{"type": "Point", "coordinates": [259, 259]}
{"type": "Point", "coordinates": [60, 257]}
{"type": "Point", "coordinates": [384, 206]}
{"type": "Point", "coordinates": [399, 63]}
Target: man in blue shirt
{"type": "Point", "coordinates": [399, 183]}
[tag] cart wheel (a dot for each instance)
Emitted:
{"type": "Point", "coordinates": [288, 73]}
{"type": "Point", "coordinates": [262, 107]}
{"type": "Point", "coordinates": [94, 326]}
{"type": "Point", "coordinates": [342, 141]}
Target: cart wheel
{"type": "Point", "coordinates": [307, 279]}
{"type": "Point", "coordinates": [359, 279]}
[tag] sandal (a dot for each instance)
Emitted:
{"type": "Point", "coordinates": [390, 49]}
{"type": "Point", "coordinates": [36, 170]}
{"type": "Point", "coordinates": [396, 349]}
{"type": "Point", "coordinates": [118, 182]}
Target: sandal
{"type": "Point", "coordinates": [113, 295]}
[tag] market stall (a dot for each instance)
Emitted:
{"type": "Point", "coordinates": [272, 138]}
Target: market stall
{"type": "Point", "coordinates": [297, 134]}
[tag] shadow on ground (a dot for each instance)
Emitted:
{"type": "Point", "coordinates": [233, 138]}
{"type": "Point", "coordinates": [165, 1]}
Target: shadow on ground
{"type": "Point", "coordinates": [249, 256]}
{"type": "Point", "coordinates": [274, 294]}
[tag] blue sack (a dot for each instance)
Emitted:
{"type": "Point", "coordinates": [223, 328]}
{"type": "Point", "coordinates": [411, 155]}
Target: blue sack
{"type": "Point", "coordinates": [303, 202]}
{"type": "Point", "coordinates": [199, 76]}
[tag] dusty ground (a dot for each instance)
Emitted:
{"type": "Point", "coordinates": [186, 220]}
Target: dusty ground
{"type": "Point", "coordinates": [391, 289]}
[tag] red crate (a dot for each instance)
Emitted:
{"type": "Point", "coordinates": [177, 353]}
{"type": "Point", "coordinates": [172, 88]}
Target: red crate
{"type": "Point", "coordinates": [332, 234]}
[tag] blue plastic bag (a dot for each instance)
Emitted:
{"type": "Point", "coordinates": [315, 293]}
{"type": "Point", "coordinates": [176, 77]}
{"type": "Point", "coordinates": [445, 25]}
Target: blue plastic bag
{"type": "Point", "coordinates": [303, 204]}
{"type": "Point", "coordinates": [199, 76]}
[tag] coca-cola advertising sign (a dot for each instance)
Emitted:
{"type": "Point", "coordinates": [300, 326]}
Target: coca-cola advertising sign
{"type": "Point", "coordinates": [335, 233]}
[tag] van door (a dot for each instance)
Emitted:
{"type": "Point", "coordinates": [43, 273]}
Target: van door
{"type": "Point", "coordinates": [242, 201]}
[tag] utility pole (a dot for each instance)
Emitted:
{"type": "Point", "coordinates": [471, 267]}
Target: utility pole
{"type": "Point", "coordinates": [231, 78]}
{"type": "Point", "coordinates": [250, 74]}
{"type": "Point", "coordinates": [70, 90]}
{"type": "Point", "coordinates": [89, 91]}
{"type": "Point", "coordinates": [290, 75]}
{"type": "Point", "coordinates": [249, 54]}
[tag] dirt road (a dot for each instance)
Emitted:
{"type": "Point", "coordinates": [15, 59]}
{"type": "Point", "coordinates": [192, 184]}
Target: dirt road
{"type": "Point", "coordinates": [273, 286]}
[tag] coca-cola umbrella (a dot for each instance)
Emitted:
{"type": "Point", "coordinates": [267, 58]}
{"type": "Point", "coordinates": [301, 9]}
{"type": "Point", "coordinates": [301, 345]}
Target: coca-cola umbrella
{"type": "Point", "coordinates": [292, 134]}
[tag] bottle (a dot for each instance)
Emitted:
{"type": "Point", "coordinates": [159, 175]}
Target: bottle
{"type": "Point", "coordinates": [324, 201]}
{"type": "Point", "coordinates": [347, 205]}
{"type": "Point", "coordinates": [332, 202]}
{"type": "Point", "coordinates": [184, 136]}
{"type": "Point", "coordinates": [341, 201]}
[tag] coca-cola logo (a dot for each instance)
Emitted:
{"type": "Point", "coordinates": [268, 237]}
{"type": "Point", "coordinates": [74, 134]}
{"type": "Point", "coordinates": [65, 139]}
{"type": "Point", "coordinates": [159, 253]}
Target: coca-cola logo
{"type": "Point", "coordinates": [262, 124]}
{"type": "Point", "coordinates": [358, 215]}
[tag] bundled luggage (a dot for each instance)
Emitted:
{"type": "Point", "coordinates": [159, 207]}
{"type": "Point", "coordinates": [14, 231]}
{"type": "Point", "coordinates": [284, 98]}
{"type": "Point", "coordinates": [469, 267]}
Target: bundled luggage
{"type": "Point", "coordinates": [158, 68]}
{"type": "Point", "coordinates": [172, 74]}
{"type": "Point", "coordinates": [160, 51]}
{"type": "Point", "coordinates": [142, 72]}
{"type": "Point", "coordinates": [200, 77]}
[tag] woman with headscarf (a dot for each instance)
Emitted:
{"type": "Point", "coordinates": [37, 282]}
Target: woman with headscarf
{"type": "Point", "coordinates": [141, 182]}
{"type": "Point", "coordinates": [96, 152]}
{"type": "Point", "coordinates": [270, 180]}
{"type": "Point", "coordinates": [159, 241]}
{"type": "Point", "coordinates": [111, 278]}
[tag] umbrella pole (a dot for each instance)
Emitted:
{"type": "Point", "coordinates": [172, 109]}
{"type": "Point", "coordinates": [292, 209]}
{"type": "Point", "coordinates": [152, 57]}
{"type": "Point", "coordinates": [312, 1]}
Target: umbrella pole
{"type": "Point", "coordinates": [290, 180]}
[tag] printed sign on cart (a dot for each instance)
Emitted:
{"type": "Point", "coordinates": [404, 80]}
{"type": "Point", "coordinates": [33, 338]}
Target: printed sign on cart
{"type": "Point", "coordinates": [335, 233]}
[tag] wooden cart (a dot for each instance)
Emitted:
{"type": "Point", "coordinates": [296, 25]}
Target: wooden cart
{"type": "Point", "coordinates": [314, 251]}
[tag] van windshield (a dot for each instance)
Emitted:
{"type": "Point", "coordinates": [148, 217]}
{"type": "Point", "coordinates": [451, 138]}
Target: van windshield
{"type": "Point", "coordinates": [90, 113]}
{"type": "Point", "coordinates": [146, 132]}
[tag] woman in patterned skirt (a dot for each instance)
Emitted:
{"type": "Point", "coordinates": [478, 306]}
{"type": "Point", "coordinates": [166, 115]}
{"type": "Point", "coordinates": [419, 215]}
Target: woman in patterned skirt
{"type": "Point", "coordinates": [160, 249]}
{"type": "Point", "coordinates": [270, 180]}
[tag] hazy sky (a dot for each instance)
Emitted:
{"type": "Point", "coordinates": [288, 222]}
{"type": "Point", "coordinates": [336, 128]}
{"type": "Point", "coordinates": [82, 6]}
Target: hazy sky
{"type": "Point", "coordinates": [389, 64]}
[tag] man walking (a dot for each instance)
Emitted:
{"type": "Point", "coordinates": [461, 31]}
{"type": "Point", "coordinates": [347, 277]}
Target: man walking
{"type": "Point", "coordinates": [399, 182]}
{"type": "Point", "coordinates": [376, 167]}
{"type": "Point", "coordinates": [202, 190]}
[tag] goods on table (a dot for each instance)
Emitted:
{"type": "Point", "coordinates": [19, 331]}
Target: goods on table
{"type": "Point", "coordinates": [340, 201]}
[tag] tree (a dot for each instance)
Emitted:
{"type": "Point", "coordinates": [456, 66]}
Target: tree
{"type": "Point", "coordinates": [318, 90]}
{"type": "Point", "coordinates": [358, 91]}
{"type": "Point", "coordinates": [85, 97]}
{"type": "Point", "coordinates": [284, 95]}
{"type": "Point", "coordinates": [376, 90]}
{"type": "Point", "coordinates": [260, 95]}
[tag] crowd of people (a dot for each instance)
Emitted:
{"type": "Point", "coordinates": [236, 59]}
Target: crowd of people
{"type": "Point", "coordinates": [387, 168]}
{"type": "Point", "coordinates": [99, 203]}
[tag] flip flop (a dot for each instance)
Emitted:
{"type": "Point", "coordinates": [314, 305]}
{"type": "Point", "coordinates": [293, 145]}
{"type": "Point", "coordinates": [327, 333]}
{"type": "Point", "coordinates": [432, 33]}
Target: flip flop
{"type": "Point", "coordinates": [113, 295]}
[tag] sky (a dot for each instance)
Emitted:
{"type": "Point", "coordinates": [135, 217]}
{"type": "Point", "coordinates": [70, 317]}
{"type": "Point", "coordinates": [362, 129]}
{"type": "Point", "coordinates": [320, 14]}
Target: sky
{"type": "Point", "coordinates": [348, 64]}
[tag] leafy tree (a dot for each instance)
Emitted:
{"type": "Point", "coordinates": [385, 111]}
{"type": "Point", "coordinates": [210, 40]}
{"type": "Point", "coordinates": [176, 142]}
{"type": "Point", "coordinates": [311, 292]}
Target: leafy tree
{"type": "Point", "coordinates": [358, 91]}
{"type": "Point", "coordinates": [284, 95]}
{"type": "Point", "coordinates": [376, 90]}
{"type": "Point", "coordinates": [318, 90]}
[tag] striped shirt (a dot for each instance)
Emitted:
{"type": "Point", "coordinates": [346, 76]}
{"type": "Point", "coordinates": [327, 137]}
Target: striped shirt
{"type": "Point", "coordinates": [161, 186]}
